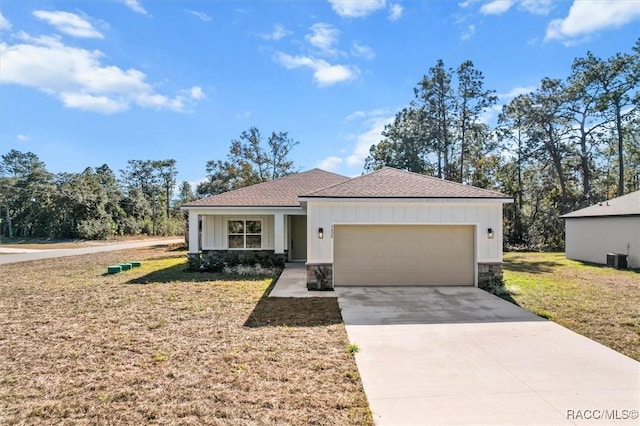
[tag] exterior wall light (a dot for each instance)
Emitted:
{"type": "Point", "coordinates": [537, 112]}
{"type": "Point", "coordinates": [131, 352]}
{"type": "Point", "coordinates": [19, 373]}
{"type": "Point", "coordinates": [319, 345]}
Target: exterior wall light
{"type": "Point", "coordinates": [320, 233]}
{"type": "Point", "coordinates": [490, 233]}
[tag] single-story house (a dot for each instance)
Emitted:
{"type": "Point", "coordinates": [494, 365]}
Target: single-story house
{"type": "Point", "coordinates": [388, 227]}
{"type": "Point", "coordinates": [611, 226]}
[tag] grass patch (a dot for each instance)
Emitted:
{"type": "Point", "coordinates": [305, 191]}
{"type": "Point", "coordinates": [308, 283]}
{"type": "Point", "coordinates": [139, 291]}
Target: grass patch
{"type": "Point", "coordinates": [161, 345]}
{"type": "Point", "coordinates": [543, 314]}
{"type": "Point", "coordinates": [160, 357]}
{"type": "Point", "coordinates": [353, 348]}
{"type": "Point", "coordinates": [595, 301]}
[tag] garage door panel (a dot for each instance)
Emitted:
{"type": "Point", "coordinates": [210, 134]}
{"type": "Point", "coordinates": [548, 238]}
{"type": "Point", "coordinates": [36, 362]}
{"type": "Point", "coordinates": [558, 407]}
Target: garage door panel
{"type": "Point", "coordinates": [404, 255]}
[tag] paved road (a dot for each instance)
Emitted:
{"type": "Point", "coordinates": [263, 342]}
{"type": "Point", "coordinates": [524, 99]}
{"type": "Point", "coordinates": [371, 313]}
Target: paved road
{"type": "Point", "coordinates": [47, 254]}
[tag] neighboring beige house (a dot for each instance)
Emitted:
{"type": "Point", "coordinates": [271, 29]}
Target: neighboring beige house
{"type": "Point", "coordinates": [389, 227]}
{"type": "Point", "coordinates": [611, 226]}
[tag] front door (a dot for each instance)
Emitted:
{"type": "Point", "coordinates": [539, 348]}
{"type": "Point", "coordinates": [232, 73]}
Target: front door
{"type": "Point", "coordinates": [298, 238]}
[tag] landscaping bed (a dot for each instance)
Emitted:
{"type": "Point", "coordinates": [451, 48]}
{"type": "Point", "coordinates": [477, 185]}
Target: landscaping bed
{"type": "Point", "coordinates": [156, 344]}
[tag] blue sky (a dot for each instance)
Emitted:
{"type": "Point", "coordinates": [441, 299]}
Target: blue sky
{"type": "Point", "coordinates": [83, 83]}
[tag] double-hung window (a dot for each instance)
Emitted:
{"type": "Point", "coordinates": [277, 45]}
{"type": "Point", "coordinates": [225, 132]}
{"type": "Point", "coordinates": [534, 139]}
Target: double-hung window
{"type": "Point", "coordinates": [245, 234]}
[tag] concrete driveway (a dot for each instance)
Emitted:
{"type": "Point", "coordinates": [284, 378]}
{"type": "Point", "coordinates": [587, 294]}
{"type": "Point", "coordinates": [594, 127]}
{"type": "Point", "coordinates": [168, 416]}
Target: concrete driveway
{"type": "Point", "coordinates": [460, 356]}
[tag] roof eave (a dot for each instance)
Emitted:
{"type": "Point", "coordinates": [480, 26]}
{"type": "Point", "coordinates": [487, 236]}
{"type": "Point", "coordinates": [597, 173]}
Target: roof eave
{"type": "Point", "coordinates": [569, 216]}
{"type": "Point", "coordinates": [221, 207]}
{"type": "Point", "coordinates": [306, 198]}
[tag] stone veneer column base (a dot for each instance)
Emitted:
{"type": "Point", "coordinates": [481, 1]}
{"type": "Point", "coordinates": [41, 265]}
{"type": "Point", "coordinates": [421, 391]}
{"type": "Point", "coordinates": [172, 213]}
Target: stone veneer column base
{"type": "Point", "coordinates": [320, 276]}
{"type": "Point", "coordinates": [488, 272]}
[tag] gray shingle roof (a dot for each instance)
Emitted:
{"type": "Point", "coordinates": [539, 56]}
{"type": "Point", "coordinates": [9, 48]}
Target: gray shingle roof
{"type": "Point", "coordinates": [281, 192]}
{"type": "Point", "coordinates": [393, 183]}
{"type": "Point", "coordinates": [625, 205]}
{"type": "Point", "coordinates": [384, 183]}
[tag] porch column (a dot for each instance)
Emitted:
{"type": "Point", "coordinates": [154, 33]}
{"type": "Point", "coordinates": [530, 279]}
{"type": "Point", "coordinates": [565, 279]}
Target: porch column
{"type": "Point", "coordinates": [194, 246]}
{"type": "Point", "coordinates": [278, 232]}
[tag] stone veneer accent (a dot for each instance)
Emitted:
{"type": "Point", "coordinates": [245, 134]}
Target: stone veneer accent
{"type": "Point", "coordinates": [488, 272]}
{"type": "Point", "coordinates": [319, 276]}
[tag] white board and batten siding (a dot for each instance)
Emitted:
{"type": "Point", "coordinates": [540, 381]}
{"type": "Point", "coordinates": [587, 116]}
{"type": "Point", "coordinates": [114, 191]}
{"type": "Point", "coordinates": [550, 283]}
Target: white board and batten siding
{"type": "Point", "coordinates": [481, 214]}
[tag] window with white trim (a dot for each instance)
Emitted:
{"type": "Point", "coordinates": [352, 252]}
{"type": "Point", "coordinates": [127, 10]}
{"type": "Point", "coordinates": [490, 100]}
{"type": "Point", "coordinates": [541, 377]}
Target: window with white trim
{"type": "Point", "coordinates": [245, 234]}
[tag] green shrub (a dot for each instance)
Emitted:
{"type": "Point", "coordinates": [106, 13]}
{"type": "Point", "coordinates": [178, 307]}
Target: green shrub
{"type": "Point", "coordinates": [228, 259]}
{"type": "Point", "coordinates": [236, 261]}
{"type": "Point", "coordinates": [195, 263]}
{"type": "Point", "coordinates": [216, 264]}
{"type": "Point", "coordinates": [499, 288]}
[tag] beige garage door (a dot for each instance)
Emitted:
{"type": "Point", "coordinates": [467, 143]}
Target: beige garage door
{"type": "Point", "coordinates": [371, 255]}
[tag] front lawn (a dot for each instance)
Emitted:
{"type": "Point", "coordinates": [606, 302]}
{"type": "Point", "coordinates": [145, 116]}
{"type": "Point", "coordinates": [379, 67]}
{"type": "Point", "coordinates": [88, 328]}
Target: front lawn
{"type": "Point", "coordinates": [598, 302]}
{"type": "Point", "coordinates": [159, 345]}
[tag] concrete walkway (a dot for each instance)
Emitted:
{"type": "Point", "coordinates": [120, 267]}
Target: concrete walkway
{"type": "Point", "coordinates": [48, 254]}
{"type": "Point", "coordinates": [460, 356]}
{"type": "Point", "coordinates": [293, 283]}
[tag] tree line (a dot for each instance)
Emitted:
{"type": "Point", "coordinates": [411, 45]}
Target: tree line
{"type": "Point", "coordinates": [565, 145]}
{"type": "Point", "coordinates": [144, 199]}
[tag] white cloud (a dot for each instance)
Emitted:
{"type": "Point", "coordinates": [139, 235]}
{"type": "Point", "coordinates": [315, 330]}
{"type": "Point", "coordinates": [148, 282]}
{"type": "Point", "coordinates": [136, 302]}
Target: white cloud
{"type": "Point", "coordinates": [135, 6]}
{"type": "Point", "coordinates": [79, 78]}
{"type": "Point", "coordinates": [516, 91]}
{"type": "Point", "coordinates": [22, 138]}
{"type": "Point", "coordinates": [93, 103]}
{"type": "Point", "coordinates": [356, 8]}
{"type": "Point", "coordinates": [157, 101]}
{"type": "Point", "coordinates": [537, 7]}
{"type": "Point", "coordinates": [279, 32]}
{"type": "Point", "coordinates": [496, 7]}
{"type": "Point", "coordinates": [243, 115]}
{"type": "Point", "coordinates": [330, 163]}
{"type": "Point", "coordinates": [489, 116]}
{"type": "Point", "coordinates": [200, 15]}
{"type": "Point", "coordinates": [469, 33]}
{"type": "Point", "coordinates": [196, 93]}
{"type": "Point", "coordinates": [365, 140]}
{"type": "Point", "coordinates": [374, 122]}
{"type": "Point", "coordinates": [325, 74]}
{"type": "Point", "coordinates": [366, 114]}
{"type": "Point", "coordinates": [5, 25]}
{"type": "Point", "coordinates": [356, 114]}
{"type": "Point", "coordinates": [586, 18]}
{"type": "Point", "coordinates": [467, 3]}
{"type": "Point", "coordinates": [362, 50]}
{"type": "Point", "coordinates": [69, 23]}
{"type": "Point", "coordinates": [324, 37]}
{"type": "Point", "coordinates": [395, 12]}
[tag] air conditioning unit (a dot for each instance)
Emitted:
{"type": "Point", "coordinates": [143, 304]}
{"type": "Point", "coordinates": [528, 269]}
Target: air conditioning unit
{"type": "Point", "coordinates": [617, 260]}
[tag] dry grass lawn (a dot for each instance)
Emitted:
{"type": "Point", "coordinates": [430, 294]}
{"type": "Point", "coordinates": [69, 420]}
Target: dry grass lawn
{"type": "Point", "coordinates": [598, 302]}
{"type": "Point", "coordinates": [158, 345]}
